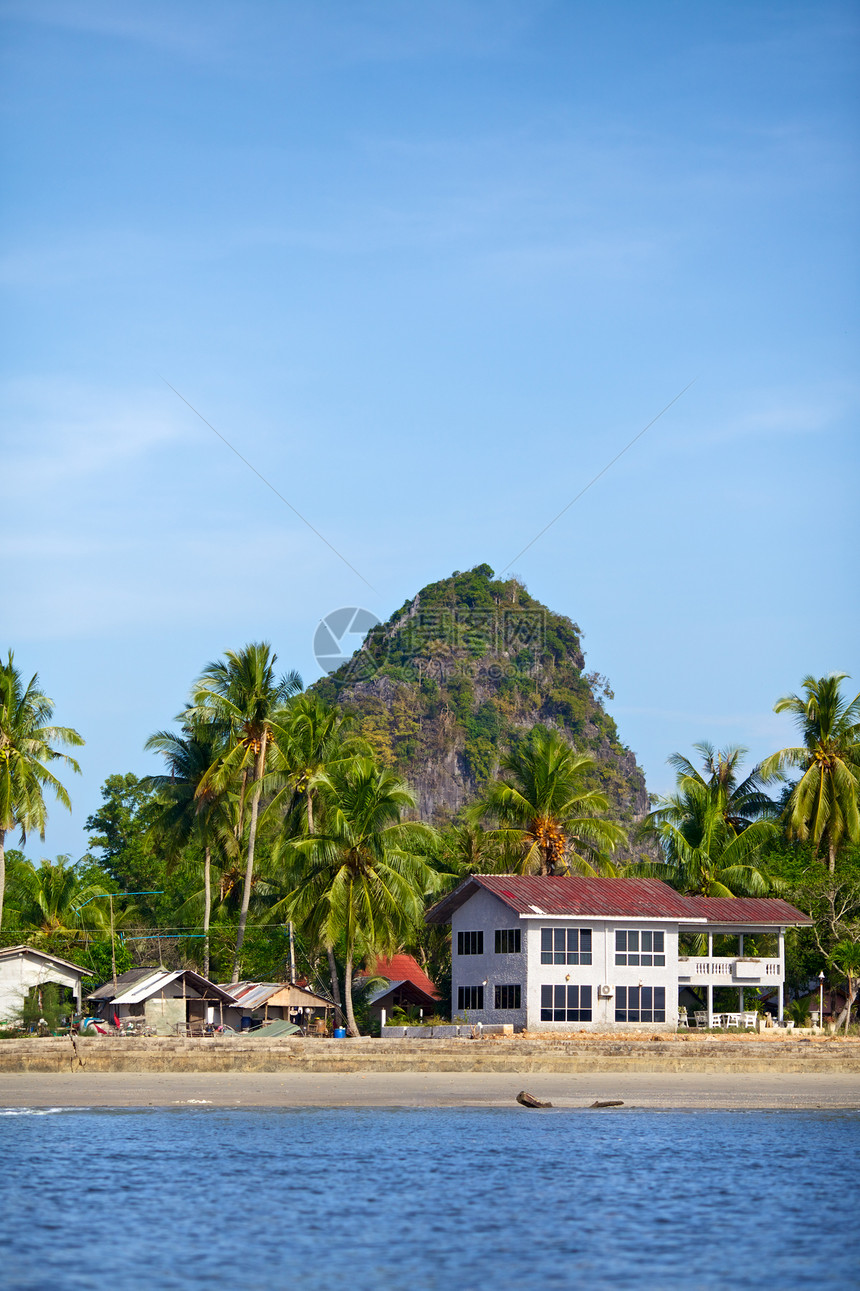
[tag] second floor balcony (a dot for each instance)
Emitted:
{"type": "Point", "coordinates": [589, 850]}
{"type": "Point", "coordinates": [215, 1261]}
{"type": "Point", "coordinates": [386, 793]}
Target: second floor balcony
{"type": "Point", "coordinates": [728, 971]}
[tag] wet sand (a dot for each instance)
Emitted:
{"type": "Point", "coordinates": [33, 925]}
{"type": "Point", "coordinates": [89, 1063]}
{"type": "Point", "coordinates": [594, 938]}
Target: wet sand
{"type": "Point", "coordinates": [738, 1090]}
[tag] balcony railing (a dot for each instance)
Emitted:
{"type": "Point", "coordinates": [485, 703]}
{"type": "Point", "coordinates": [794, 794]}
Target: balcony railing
{"type": "Point", "coordinates": [727, 971]}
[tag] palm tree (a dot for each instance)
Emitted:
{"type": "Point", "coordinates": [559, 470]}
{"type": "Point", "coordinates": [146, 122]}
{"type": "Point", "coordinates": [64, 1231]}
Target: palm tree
{"type": "Point", "coordinates": [191, 807]}
{"type": "Point", "coordinates": [245, 700]}
{"type": "Point", "coordinates": [312, 742]}
{"type": "Point", "coordinates": [713, 828]}
{"type": "Point", "coordinates": [26, 740]}
{"type": "Point", "coordinates": [310, 747]}
{"type": "Point", "coordinates": [362, 879]}
{"type": "Point", "coordinates": [823, 805]}
{"type": "Point", "coordinates": [743, 801]}
{"type": "Point", "coordinates": [704, 852]}
{"type": "Point", "coordinates": [47, 897]}
{"type": "Point", "coordinates": [544, 808]}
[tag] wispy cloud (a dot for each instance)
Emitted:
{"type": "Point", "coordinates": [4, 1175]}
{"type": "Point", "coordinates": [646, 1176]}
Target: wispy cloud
{"type": "Point", "coordinates": [60, 432]}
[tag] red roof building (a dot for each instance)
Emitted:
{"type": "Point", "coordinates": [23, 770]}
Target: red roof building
{"type": "Point", "coordinates": [604, 953]}
{"type": "Point", "coordinates": [408, 986]}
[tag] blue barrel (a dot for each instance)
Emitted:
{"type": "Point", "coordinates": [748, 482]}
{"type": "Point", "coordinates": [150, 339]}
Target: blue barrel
{"type": "Point", "coordinates": [246, 1024]}
{"type": "Point", "coordinates": [340, 1033]}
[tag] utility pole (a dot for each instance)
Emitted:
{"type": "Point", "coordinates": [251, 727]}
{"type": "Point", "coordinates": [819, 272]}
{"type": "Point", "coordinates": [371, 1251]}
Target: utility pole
{"type": "Point", "coordinates": [112, 944]}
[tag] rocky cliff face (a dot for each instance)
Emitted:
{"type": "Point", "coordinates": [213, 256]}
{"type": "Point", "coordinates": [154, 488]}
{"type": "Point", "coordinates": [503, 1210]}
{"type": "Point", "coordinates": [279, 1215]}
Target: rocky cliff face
{"type": "Point", "coordinates": [461, 672]}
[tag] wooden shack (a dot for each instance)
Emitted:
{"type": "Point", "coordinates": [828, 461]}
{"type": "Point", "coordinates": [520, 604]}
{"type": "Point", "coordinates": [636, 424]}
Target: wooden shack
{"type": "Point", "coordinates": [172, 1003]}
{"type": "Point", "coordinates": [255, 1003]}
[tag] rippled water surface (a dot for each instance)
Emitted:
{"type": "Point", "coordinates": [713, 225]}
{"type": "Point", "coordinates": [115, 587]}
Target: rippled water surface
{"type": "Point", "coordinates": [418, 1199]}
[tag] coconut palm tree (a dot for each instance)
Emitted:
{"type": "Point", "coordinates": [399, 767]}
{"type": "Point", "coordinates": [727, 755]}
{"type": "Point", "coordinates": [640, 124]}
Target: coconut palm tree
{"type": "Point", "coordinates": [48, 896]}
{"type": "Point", "coordinates": [244, 699]}
{"type": "Point", "coordinates": [824, 805]}
{"type": "Point", "coordinates": [705, 854]}
{"type": "Point", "coordinates": [311, 743]}
{"type": "Point", "coordinates": [309, 747]}
{"type": "Point", "coordinates": [26, 750]}
{"type": "Point", "coordinates": [543, 807]}
{"type": "Point", "coordinates": [743, 800]}
{"type": "Point", "coordinates": [361, 880]}
{"type": "Point", "coordinates": [192, 808]}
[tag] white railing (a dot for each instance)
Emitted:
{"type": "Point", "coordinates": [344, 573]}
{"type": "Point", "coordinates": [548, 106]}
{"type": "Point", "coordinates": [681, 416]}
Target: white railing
{"type": "Point", "coordinates": [737, 970]}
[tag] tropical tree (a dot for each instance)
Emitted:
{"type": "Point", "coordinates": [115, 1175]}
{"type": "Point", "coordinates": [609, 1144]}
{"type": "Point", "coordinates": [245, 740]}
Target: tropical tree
{"type": "Point", "coordinates": [26, 751]}
{"type": "Point", "coordinates": [742, 801]}
{"type": "Point", "coordinates": [192, 808]}
{"type": "Point", "coordinates": [314, 739]}
{"type": "Point", "coordinates": [244, 699]}
{"type": "Point", "coordinates": [361, 879]}
{"type": "Point", "coordinates": [704, 854]}
{"type": "Point", "coordinates": [824, 805]}
{"type": "Point", "coordinates": [47, 897]}
{"type": "Point", "coordinates": [543, 807]}
{"type": "Point", "coordinates": [845, 956]}
{"type": "Point", "coordinates": [310, 746]}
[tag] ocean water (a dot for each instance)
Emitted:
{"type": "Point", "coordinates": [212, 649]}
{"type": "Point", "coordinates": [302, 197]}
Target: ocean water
{"type": "Point", "coordinates": [379, 1199]}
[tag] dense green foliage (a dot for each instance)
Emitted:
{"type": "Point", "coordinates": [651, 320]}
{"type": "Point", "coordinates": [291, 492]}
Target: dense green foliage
{"type": "Point", "coordinates": [283, 827]}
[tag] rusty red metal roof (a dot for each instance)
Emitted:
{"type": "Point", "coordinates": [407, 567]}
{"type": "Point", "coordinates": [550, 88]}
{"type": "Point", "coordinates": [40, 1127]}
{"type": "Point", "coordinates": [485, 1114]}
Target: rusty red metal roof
{"type": "Point", "coordinates": [749, 910]}
{"type": "Point", "coordinates": [612, 899]}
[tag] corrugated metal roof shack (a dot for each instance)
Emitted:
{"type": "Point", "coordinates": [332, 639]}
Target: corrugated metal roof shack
{"type": "Point", "coordinates": [255, 1003]}
{"type": "Point", "coordinates": [172, 1003]}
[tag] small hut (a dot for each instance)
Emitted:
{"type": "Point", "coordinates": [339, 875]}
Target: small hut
{"type": "Point", "coordinates": [256, 1003]}
{"type": "Point", "coordinates": [180, 1002]}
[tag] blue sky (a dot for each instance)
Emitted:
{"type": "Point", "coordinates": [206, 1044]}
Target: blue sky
{"type": "Point", "coordinates": [429, 267]}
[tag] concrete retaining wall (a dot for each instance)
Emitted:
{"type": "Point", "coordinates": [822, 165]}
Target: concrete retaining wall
{"type": "Point", "coordinates": [513, 1054]}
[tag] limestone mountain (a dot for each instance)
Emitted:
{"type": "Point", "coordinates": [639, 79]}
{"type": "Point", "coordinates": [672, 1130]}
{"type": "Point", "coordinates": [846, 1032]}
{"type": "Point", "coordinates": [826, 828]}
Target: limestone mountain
{"type": "Point", "coordinates": [460, 673]}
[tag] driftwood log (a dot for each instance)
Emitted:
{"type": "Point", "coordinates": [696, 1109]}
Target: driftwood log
{"type": "Point", "coordinates": [616, 1102]}
{"type": "Point", "coordinates": [529, 1100]}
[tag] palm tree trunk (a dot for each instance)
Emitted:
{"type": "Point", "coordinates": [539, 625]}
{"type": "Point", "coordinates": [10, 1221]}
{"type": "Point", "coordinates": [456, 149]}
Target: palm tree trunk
{"type": "Point", "coordinates": [845, 1015]}
{"type": "Point", "coordinates": [831, 854]}
{"type": "Point", "coordinates": [2, 871]}
{"type": "Point", "coordinates": [347, 991]}
{"type": "Point", "coordinates": [335, 984]}
{"type": "Point", "coordinates": [332, 963]}
{"type": "Point", "coordinates": [252, 839]}
{"type": "Point", "coordinates": [207, 907]}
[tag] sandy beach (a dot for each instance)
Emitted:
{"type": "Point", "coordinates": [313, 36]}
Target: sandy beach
{"type": "Point", "coordinates": [430, 1089]}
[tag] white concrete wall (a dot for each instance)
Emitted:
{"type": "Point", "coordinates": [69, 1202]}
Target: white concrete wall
{"type": "Point", "coordinates": [19, 975]}
{"type": "Point", "coordinates": [601, 971]}
{"type": "Point", "coordinates": [485, 912]}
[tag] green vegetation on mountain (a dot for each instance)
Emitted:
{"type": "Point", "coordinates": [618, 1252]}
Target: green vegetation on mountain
{"type": "Point", "coordinates": [460, 674]}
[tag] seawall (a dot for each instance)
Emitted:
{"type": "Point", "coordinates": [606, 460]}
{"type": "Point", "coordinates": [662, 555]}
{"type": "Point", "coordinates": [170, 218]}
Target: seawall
{"type": "Point", "coordinates": [514, 1054]}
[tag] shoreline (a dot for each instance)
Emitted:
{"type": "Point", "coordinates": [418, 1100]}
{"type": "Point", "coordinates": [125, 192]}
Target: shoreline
{"type": "Point", "coordinates": [673, 1090]}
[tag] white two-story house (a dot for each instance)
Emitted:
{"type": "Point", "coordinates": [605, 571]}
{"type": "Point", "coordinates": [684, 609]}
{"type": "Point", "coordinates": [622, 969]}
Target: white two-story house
{"type": "Point", "coordinates": [600, 954]}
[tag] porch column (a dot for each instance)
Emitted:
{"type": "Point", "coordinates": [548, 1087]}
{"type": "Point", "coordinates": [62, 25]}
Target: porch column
{"type": "Point", "coordinates": [742, 999]}
{"type": "Point", "coordinates": [781, 989]}
{"type": "Point", "coordinates": [710, 998]}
